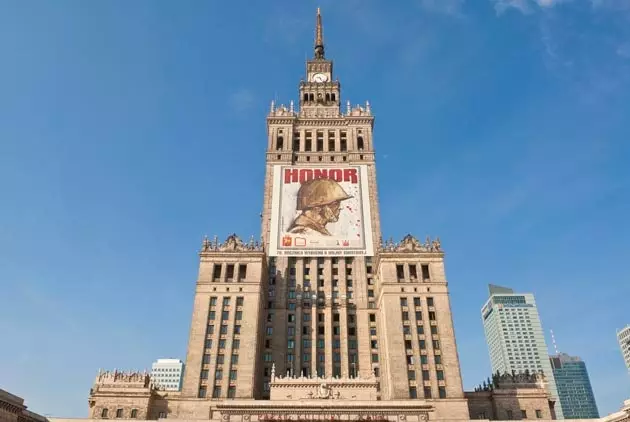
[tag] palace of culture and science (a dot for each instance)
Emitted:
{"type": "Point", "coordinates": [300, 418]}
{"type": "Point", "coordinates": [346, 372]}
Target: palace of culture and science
{"type": "Point", "coordinates": [321, 319]}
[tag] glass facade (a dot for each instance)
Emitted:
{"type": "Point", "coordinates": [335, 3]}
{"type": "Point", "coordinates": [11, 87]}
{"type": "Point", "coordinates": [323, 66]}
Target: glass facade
{"type": "Point", "coordinates": [574, 387]}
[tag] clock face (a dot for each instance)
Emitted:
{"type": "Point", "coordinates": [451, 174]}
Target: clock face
{"type": "Point", "coordinates": [320, 77]}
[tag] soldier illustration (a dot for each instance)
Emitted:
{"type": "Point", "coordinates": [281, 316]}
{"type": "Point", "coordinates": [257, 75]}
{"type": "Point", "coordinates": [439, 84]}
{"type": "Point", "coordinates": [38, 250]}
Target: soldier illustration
{"type": "Point", "coordinates": [319, 201]}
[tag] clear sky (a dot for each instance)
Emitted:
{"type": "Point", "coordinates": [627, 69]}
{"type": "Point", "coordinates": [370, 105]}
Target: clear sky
{"type": "Point", "coordinates": [129, 129]}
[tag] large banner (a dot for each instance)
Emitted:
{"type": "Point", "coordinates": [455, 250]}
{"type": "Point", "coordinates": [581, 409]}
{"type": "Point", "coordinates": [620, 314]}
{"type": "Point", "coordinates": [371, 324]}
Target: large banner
{"type": "Point", "coordinates": [320, 211]}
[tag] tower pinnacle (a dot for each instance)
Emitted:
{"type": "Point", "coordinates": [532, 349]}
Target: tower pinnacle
{"type": "Point", "coordinates": [319, 37]}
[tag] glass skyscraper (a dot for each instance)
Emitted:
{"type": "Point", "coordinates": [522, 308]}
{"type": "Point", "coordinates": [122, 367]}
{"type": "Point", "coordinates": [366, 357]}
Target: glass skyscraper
{"type": "Point", "coordinates": [515, 336]}
{"type": "Point", "coordinates": [574, 387]}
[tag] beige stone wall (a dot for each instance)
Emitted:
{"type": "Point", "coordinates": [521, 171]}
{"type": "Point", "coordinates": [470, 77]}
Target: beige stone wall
{"type": "Point", "coordinates": [250, 289]}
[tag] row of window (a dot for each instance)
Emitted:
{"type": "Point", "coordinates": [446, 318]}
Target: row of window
{"type": "Point", "coordinates": [216, 392]}
{"type": "Point", "coordinates": [229, 271]}
{"type": "Point", "coordinates": [120, 413]}
{"type": "Point", "coordinates": [307, 146]}
{"type": "Point", "coordinates": [413, 392]}
{"type": "Point", "coordinates": [413, 272]}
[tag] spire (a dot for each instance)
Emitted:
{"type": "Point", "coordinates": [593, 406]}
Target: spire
{"type": "Point", "coordinates": [319, 37]}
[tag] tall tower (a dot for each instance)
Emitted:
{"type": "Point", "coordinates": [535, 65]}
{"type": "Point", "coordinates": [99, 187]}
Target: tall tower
{"type": "Point", "coordinates": [623, 337]}
{"type": "Point", "coordinates": [322, 296]}
{"type": "Point", "coordinates": [574, 387]}
{"type": "Point", "coordinates": [515, 337]}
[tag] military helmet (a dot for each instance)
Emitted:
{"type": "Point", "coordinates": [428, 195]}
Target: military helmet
{"type": "Point", "coordinates": [319, 192]}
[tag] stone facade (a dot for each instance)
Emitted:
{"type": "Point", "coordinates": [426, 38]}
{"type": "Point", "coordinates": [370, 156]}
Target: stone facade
{"type": "Point", "coordinates": [13, 409]}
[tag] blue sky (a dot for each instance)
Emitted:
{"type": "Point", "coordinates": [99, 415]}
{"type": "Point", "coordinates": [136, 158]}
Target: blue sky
{"type": "Point", "coordinates": [128, 130]}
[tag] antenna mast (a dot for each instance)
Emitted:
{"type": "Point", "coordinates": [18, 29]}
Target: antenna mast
{"type": "Point", "coordinates": [553, 340]}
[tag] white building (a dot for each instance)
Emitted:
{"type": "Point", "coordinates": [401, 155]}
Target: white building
{"type": "Point", "coordinates": [168, 373]}
{"type": "Point", "coordinates": [624, 342]}
{"type": "Point", "coordinates": [515, 336]}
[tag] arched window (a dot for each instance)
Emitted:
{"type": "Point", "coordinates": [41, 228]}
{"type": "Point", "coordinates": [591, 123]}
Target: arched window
{"type": "Point", "coordinates": [332, 96]}
{"type": "Point", "coordinates": [279, 143]}
{"type": "Point", "coordinates": [305, 96]}
{"type": "Point", "coordinates": [327, 97]}
{"type": "Point", "coordinates": [360, 142]}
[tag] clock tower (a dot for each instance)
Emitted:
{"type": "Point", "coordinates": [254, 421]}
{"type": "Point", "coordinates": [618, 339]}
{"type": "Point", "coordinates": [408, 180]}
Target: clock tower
{"type": "Point", "coordinates": [319, 89]}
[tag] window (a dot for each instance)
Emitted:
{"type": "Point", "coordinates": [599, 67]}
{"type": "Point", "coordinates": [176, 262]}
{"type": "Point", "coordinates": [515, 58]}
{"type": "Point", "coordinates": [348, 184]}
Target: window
{"type": "Point", "coordinates": [216, 392]}
{"type": "Point", "coordinates": [239, 315]}
{"type": "Point", "coordinates": [374, 357]}
{"type": "Point", "coordinates": [225, 315]}
{"type": "Point", "coordinates": [403, 301]}
{"type": "Point", "coordinates": [408, 344]}
{"type": "Point", "coordinates": [418, 316]}
{"type": "Point", "coordinates": [233, 374]}
{"type": "Point", "coordinates": [269, 331]}
{"type": "Point", "coordinates": [432, 316]}
{"type": "Point", "coordinates": [436, 344]}
{"type": "Point", "coordinates": [372, 317]}
{"type": "Point", "coordinates": [242, 271]}
{"type": "Point", "coordinates": [162, 415]}
{"type": "Point", "coordinates": [413, 393]}
{"type": "Point", "coordinates": [211, 315]}
{"type": "Point", "coordinates": [405, 316]}
{"type": "Point", "coordinates": [411, 375]}
{"type": "Point", "coordinates": [434, 329]}
{"type": "Point", "coordinates": [400, 272]}
{"type": "Point", "coordinates": [202, 393]}
{"type": "Point", "coordinates": [360, 143]}
{"type": "Point", "coordinates": [104, 413]}
{"type": "Point", "coordinates": [427, 392]}
{"type": "Point", "coordinates": [237, 329]}
{"type": "Point", "coordinates": [440, 375]}
{"type": "Point", "coordinates": [523, 414]}
{"type": "Point", "coordinates": [231, 392]}
{"type": "Point", "coordinates": [226, 301]}
{"type": "Point", "coordinates": [216, 276]}
{"type": "Point", "coordinates": [208, 344]}
{"type": "Point", "coordinates": [413, 271]}
{"type": "Point", "coordinates": [438, 359]}
{"type": "Point", "coordinates": [416, 301]}
{"type": "Point", "coordinates": [430, 301]}
{"type": "Point", "coordinates": [224, 329]}
{"type": "Point", "coordinates": [425, 272]}
{"type": "Point", "coordinates": [239, 301]}
{"type": "Point", "coordinates": [134, 413]}
{"type": "Point", "coordinates": [291, 344]}
{"type": "Point", "coordinates": [442, 392]}
{"type": "Point", "coordinates": [510, 416]}
{"type": "Point", "coordinates": [119, 413]}
{"type": "Point", "coordinates": [539, 414]}
{"type": "Point", "coordinates": [213, 301]}
{"type": "Point", "coordinates": [420, 330]}
{"type": "Point", "coordinates": [234, 359]}
{"type": "Point", "coordinates": [222, 344]}
{"type": "Point", "coordinates": [422, 344]}
{"type": "Point", "coordinates": [218, 374]}
{"type": "Point", "coordinates": [291, 318]}
{"type": "Point", "coordinates": [220, 359]}
{"type": "Point", "coordinates": [425, 375]}
{"type": "Point", "coordinates": [230, 271]}
{"type": "Point", "coordinates": [204, 374]}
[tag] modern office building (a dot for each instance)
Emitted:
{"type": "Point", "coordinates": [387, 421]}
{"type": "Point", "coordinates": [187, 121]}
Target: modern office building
{"type": "Point", "coordinates": [168, 374]}
{"type": "Point", "coordinates": [623, 336]}
{"type": "Point", "coordinates": [515, 336]}
{"type": "Point", "coordinates": [574, 387]}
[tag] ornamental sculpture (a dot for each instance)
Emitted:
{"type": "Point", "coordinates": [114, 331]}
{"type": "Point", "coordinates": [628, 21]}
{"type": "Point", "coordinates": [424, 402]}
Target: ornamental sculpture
{"type": "Point", "coordinates": [232, 244]}
{"type": "Point", "coordinates": [410, 244]}
{"type": "Point", "coordinates": [512, 380]}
